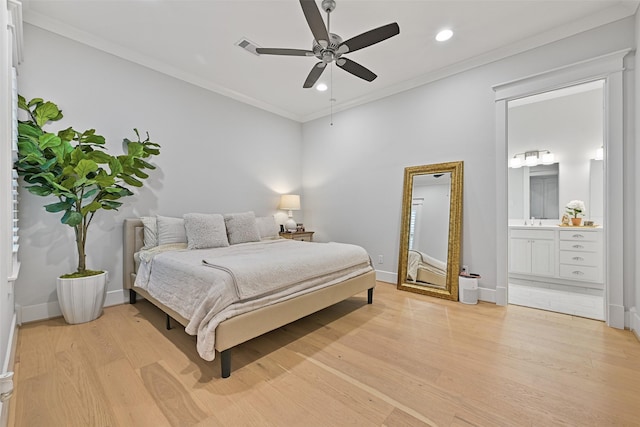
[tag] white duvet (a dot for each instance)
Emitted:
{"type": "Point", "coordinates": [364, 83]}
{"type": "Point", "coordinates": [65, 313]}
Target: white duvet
{"type": "Point", "coordinates": [208, 286]}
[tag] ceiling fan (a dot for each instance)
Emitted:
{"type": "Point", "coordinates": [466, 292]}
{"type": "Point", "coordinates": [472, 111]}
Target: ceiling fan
{"type": "Point", "coordinates": [329, 47]}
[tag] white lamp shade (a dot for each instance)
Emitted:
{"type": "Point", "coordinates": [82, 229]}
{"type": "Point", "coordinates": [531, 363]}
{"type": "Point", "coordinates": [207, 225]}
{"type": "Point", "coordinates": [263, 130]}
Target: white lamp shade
{"type": "Point", "coordinates": [548, 158]}
{"type": "Point", "coordinates": [290, 202]}
{"type": "Point", "coordinates": [515, 162]}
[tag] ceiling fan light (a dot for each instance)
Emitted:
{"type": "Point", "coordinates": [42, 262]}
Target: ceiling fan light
{"type": "Point", "coordinates": [321, 87]}
{"type": "Point", "coordinates": [444, 35]}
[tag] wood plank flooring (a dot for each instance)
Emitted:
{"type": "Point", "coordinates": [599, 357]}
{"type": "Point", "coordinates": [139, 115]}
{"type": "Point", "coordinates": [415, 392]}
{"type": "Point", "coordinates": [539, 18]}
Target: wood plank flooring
{"type": "Point", "coordinates": [406, 360]}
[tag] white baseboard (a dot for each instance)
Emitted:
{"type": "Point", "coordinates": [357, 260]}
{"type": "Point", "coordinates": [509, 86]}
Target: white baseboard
{"type": "Point", "coordinates": [486, 294]}
{"type": "Point", "coordinates": [616, 316]}
{"type": "Point", "coordinates": [49, 310]}
{"type": "Point", "coordinates": [634, 321]}
{"type": "Point", "coordinates": [387, 276]}
{"type": "Point", "coordinates": [9, 361]}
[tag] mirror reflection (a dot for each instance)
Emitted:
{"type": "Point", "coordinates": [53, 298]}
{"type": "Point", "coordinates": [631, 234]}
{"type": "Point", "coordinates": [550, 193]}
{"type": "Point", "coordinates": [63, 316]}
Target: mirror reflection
{"type": "Point", "coordinates": [430, 237]}
{"type": "Point", "coordinates": [429, 229]}
{"type": "Point", "coordinates": [534, 193]}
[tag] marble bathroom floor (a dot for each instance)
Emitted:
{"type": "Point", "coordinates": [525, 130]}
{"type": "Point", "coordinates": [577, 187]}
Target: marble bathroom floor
{"type": "Point", "coordinates": [578, 304]}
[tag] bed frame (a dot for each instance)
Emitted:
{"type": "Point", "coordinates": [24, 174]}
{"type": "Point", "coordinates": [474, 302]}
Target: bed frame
{"type": "Point", "coordinates": [246, 326]}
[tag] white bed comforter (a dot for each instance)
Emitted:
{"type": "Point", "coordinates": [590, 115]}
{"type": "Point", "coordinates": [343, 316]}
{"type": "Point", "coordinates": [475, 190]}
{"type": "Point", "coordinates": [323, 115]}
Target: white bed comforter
{"type": "Point", "coordinates": [208, 286]}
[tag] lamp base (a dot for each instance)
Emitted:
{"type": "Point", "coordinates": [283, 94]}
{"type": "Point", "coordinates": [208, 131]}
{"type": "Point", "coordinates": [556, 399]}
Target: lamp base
{"type": "Point", "coordinates": [290, 225]}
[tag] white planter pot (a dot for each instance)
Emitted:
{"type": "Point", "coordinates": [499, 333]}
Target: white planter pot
{"type": "Point", "coordinates": [81, 299]}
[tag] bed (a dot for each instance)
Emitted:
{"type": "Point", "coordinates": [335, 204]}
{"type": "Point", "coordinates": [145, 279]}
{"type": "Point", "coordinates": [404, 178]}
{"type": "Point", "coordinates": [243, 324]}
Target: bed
{"type": "Point", "coordinates": [423, 268]}
{"type": "Point", "coordinates": [246, 320]}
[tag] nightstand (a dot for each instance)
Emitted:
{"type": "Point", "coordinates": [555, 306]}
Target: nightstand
{"type": "Point", "coordinates": [305, 236]}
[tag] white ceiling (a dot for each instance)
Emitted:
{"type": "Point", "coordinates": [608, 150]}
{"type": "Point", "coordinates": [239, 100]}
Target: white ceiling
{"type": "Point", "coordinates": [196, 41]}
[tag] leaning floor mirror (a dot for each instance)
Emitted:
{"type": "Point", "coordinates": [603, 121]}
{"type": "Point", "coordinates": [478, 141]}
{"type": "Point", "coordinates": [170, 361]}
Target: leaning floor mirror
{"type": "Point", "coordinates": [429, 258]}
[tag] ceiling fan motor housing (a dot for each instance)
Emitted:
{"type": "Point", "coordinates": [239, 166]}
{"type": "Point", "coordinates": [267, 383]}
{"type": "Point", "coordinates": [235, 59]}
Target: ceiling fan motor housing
{"type": "Point", "coordinates": [330, 53]}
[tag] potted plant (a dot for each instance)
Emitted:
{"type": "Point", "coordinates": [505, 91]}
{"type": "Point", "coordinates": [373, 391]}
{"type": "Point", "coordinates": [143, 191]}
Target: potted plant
{"type": "Point", "coordinates": [575, 208]}
{"type": "Point", "coordinates": [75, 168]}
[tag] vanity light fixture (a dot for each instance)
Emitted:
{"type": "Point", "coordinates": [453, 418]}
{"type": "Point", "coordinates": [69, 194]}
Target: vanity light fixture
{"type": "Point", "coordinates": [532, 158]}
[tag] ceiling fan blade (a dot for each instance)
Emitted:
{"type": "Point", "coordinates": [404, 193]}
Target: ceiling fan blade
{"type": "Point", "coordinates": [356, 69]}
{"type": "Point", "coordinates": [315, 21]}
{"type": "Point", "coordinates": [289, 52]}
{"type": "Point", "coordinates": [314, 75]}
{"type": "Point", "coordinates": [370, 37]}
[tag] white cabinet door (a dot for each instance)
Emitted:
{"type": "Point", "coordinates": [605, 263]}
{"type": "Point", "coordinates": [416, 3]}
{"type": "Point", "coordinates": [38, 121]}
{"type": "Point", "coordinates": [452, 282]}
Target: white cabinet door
{"type": "Point", "coordinates": [543, 260]}
{"type": "Point", "coordinates": [520, 256]}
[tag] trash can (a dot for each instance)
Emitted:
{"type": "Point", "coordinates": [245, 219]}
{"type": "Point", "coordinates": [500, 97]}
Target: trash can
{"type": "Point", "coordinates": [468, 289]}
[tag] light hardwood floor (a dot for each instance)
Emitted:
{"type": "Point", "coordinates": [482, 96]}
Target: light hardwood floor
{"type": "Point", "coordinates": [406, 360]}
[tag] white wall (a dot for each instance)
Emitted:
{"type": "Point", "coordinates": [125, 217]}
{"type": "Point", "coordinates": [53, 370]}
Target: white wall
{"type": "Point", "coordinates": [636, 183]}
{"type": "Point", "coordinates": [218, 155]}
{"type": "Point", "coordinates": [352, 171]}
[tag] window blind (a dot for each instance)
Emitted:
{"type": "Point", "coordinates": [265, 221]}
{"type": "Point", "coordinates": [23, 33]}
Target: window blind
{"type": "Point", "coordinates": [14, 180]}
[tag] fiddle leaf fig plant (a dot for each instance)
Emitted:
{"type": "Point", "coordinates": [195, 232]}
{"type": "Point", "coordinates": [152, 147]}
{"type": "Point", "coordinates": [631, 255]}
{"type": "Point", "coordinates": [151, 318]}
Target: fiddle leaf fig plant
{"type": "Point", "coordinates": [74, 167]}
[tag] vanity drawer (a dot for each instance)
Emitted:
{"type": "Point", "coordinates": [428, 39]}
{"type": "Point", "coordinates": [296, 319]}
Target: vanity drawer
{"type": "Point", "coordinates": [580, 235]}
{"type": "Point", "coordinates": [572, 245]}
{"type": "Point", "coordinates": [592, 259]}
{"type": "Point", "coordinates": [532, 234]}
{"type": "Point", "coordinates": [579, 272]}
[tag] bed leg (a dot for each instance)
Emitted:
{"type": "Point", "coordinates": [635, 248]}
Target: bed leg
{"type": "Point", "coordinates": [370, 296]}
{"type": "Point", "coordinates": [132, 296]}
{"type": "Point", "coordinates": [168, 322]}
{"type": "Point", "coordinates": [225, 363]}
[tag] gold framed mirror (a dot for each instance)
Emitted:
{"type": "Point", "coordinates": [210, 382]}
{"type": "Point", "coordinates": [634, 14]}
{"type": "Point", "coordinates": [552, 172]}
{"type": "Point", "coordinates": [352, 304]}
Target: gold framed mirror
{"type": "Point", "coordinates": [429, 261]}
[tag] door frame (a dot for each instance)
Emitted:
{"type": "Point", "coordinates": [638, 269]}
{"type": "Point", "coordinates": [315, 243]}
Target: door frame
{"type": "Point", "coordinates": [610, 68]}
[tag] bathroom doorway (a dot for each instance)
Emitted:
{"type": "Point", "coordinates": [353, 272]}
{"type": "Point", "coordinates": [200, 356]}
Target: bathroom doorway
{"type": "Point", "coordinates": [555, 146]}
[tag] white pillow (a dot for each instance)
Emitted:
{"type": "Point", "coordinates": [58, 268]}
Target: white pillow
{"type": "Point", "coordinates": [205, 231]}
{"type": "Point", "coordinates": [267, 227]}
{"type": "Point", "coordinates": [171, 230]}
{"type": "Point", "coordinates": [150, 232]}
{"type": "Point", "coordinates": [241, 228]}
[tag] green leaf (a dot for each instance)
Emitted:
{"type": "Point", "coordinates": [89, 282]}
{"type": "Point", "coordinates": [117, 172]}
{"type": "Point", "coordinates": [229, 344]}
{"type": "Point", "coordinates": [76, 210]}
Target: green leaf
{"type": "Point", "coordinates": [28, 129]}
{"type": "Point", "coordinates": [90, 193]}
{"type": "Point", "coordinates": [99, 156]}
{"type": "Point", "coordinates": [58, 207]}
{"type": "Point", "coordinates": [131, 180]}
{"type": "Point", "coordinates": [49, 140]}
{"type": "Point", "coordinates": [93, 139]}
{"type": "Point", "coordinates": [140, 174]}
{"type": "Point", "coordinates": [71, 218]}
{"type": "Point", "coordinates": [46, 112]}
{"type": "Point", "coordinates": [135, 149]}
{"type": "Point", "coordinates": [77, 155]}
{"type": "Point", "coordinates": [104, 181]}
{"type": "Point", "coordinates": [39, 190]}
{"type": "Point", "coordinates": [115, 166]}
{"type": "Point", "coordinates": [27, 147]}
{"type": "Point", "coordinates": [85, 167]}
{"type": "Point", "coordinates": [67, 134]}
{"type": "Point", "coordinates": [35, 101]}
{"type": "Point", "coordinates": [22, 103]}
{"type": "Point", "coordinates": [108, 205]}
{"type": "Point", "coordinates": [141, 164]}
{"type": "Point", "coordinates": [91, 207]}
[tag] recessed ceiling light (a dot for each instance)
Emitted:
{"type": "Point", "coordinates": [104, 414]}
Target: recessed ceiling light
{"type": "Point", "coordinates": [321, 87]}
{"type": "Point", "coordinates": [444, 35]}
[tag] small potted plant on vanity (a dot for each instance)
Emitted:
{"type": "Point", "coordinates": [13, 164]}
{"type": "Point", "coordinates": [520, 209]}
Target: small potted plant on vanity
{"type": "Point", "coordinates": [575, 208]}
{"type": "Point", "coordinates": [74, 167]}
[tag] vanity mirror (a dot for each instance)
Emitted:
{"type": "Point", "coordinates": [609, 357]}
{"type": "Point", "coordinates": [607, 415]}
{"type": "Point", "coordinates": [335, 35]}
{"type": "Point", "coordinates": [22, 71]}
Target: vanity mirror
{"type": "Point", "coordinates": [429, 258]}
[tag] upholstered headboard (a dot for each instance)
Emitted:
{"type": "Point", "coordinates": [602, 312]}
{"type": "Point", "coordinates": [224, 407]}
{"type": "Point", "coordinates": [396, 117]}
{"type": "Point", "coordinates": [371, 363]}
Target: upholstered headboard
{"type": "Point", "coordinates": [133, 241]}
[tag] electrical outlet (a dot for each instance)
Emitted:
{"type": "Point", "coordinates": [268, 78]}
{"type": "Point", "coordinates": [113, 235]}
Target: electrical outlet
{"type": "Point", "coordinates": [380, 259]}
{"type": "Point", "coordinates": [465, 269]}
